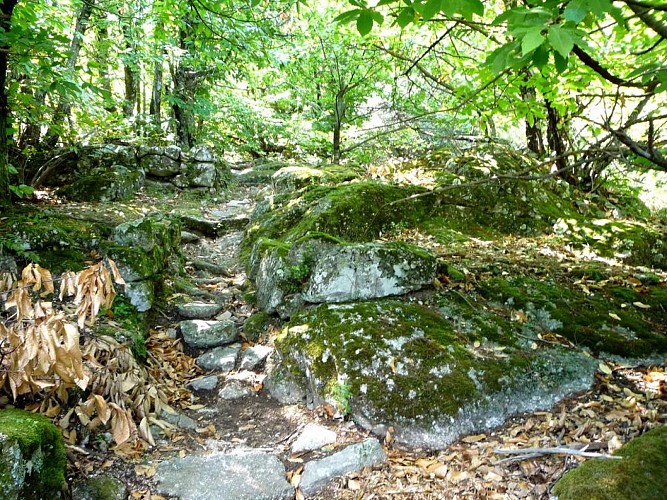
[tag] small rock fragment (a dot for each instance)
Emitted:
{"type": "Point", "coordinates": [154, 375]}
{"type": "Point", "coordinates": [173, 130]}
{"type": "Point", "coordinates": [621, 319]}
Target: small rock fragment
{"type": "Point", "coordinates": [317, 474]}
{"type": "Point", "coordinates": [254, 356]}
{"type": "Point", "coordinates": [313, 437]}
{"type": "Point", "coordinates": [201, 334]}
{"type": "Point", "coordinates": [198, 310]}
{"type": "Point", "coordinates": [204, 383]}
{"type": "Point", "coordinates": [220, 358]}
{"type": "Point", "coordinates": [235, 390]}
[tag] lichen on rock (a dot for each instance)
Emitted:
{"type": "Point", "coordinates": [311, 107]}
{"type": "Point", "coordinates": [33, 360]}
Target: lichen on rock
{"type": "Point", "coordinates": [402, 365]}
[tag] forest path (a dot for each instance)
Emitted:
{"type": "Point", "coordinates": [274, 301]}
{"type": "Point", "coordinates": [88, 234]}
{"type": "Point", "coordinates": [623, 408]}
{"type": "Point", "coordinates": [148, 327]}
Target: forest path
{"type": "Point", "coordinates": [231, 416]}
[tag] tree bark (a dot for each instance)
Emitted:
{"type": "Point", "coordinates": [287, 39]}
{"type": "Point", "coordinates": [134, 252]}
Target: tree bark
{"type": "Point", "coordinates": [339, 117]}
{"type": "Point", "coordinates": [130, 72]}
{"type": "Point", "coordinates": [155, 109]}
{"type": "Point", "coordinates": [7, 9]}
{"type": "Point", "coordinates": [64, 106]}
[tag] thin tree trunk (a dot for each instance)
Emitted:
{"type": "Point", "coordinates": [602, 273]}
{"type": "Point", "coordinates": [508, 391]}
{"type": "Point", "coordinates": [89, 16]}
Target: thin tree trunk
{"type": "Point", "coordinates": [534, 138]}
{"type": "Point", "coordinates": [64, 106]}
{"type": "Point", "coordinates": [155, 110]}
{"type": "Point", "coordinates": [339, 117]}
{"type": "Point", "coordinates": [130, 71]}
{"type": "Point", "coordinates": [7, 9]}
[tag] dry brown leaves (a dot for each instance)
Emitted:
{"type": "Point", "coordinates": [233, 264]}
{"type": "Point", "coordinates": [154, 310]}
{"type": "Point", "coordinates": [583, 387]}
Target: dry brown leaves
{"type": "Point", "coordinates": [41, 356]}
{"type": "Point", "coordinates": [170, 367]}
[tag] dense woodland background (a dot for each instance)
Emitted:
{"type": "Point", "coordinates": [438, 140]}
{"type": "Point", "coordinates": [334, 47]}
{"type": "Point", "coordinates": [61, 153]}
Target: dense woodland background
{"type": "Point", "coordinates": [578, 83]}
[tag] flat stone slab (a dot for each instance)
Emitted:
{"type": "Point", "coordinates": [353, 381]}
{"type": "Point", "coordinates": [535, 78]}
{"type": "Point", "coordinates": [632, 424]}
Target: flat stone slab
{"type": "Point", "coordinates": [254, 356]}
{"type": "Point", "coordinates": [317, 474]}
{"type": "Point", "coordinates": [204, 383]}
{"type": "Point", "coordinates": [198, 310]}
{"type": "Point", "coordinates": [248, 476]}
{"type": "Point", "coordinates": [220, 358]}
{"type": "Point", "coordinates": [235, 389]}
{"type": "Point", "coordinates": [313, 437]}
{"type": "Point", "coordinates": [179, 420]}
{"type": "Point", "coordinates": [98, 488]}
{"type": "Point", "coordinates": [202, 334]}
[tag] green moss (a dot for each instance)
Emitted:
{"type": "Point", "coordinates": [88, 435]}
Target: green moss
{"type": "Point", "coordinates": [255, 326]}
{"type": "Point", "coordinates": [586, 319]}
{"type": "Point", "coordinates": [41, 444]}
{"type": "Point", "coordinates": [54, 240]}
{"type": "Point", "coordinates": [641, 475]}
{"type": "Point", "coordinates": [403, 360]}
{"type": "Point", "coordinates": [475, 323]}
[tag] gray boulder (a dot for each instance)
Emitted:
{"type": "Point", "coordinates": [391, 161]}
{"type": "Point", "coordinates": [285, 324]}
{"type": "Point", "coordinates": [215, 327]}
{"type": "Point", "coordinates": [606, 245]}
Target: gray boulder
{"type": "Point", "coordinates": [254, 356]}
{"type": "Point", "coordinates": [242, 476]}
{"type": "Point", "coordinates": [395, 364]}
{"type": "Point", "coordinates": [313, 437]}
{"type": "Point", "coordinates": [317, 474]}
{"type": "Point", "coordinates": [203, 334]}
{"type": "Point", "coordinates": [198, 310]}
{"type": "Point", "coordinates": [99, 488]}
{"type": "Point", "coordinates": [321, 271]}
{"type": "Point", "coordinates": [220, 358]}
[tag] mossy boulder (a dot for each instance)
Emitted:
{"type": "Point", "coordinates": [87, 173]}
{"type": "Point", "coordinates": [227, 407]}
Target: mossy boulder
{"type": "Point", "coordinates": [639, 243]}
{"type": "Point", "coordinates": [616, 320]}
{"type": "Point", "coordinates": [640, 475]}
{"type": "Point", "coordinates": [399, 364]}
{"type": "Point", "coordinates": [144, 250]}
{"type": "Point", "coordinates": [117, 183]}
{"type": "Point", "coordinates": [294, 177]}
{"type": "Point", "coordinates": [32, 456]}
{"type": "Point", "coordinates": [55, 240]}
{"type": "Point", "coordinates": [318, 270]}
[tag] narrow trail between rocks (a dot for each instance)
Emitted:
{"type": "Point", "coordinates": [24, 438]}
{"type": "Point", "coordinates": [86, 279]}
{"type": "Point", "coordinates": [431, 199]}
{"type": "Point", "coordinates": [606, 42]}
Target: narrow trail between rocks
{"type": "Point", "coordinates": [234, 441]}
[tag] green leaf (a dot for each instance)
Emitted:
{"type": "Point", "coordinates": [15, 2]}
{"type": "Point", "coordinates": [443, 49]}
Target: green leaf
{"type": "Point", "coordinates": [532, 40]}
{"type": "Point", "coordinates": [577, 10]}
{"type": "Point", "coordinates": [541, 57]}
{"type": "Point", "coordinates": [561, 40]}
{"type": "Point", "coordinates": [431, 8]}
{"type": "Point", "coordinates": [465, 8]}
{"type": "Point", "coordinates": [347, 16]}
{"type": "Point", "coordinates": [560, 62]}
{"type": "Point", "coordinates": [405, 17]}
{"type": "Point", "coordinates": [365, 22]}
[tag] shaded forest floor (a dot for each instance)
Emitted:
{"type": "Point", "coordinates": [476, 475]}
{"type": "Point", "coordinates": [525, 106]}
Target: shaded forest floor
{"type": "Point", "coordinates": [624, 401]}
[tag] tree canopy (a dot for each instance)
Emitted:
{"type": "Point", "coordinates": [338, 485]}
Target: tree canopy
{"type": "Point", "coordinates": [579, 83]}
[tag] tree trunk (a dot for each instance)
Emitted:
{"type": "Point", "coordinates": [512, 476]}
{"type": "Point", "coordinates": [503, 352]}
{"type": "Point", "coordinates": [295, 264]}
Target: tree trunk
{"type": "Point", "coordinates": [339, 117]}
{"type": "Point", "coordinates": [182, 115]}
{"type": "Point", "coordinates": [7, 9]}
{"type": "Point", "coordinates": [64, 106]}
{"type": "Point", "coordinates": [155, 109]}
{"type": "Point", "coordinates": [130, 71]}
{"type": "Point", "coordinates": [184, 87]}
{"type": "Point", "coordinates": [534, 138]}
{"type": "Point", "coordinates": [557, 138]}
{"type": "Point", "coordinates": [103, 57]}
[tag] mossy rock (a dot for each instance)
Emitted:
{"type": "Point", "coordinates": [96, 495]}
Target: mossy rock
{"type": "Point", "coordinates": [639, 243]}
{"type": "Point", "coordinates": [323, 270]}
{"type": "Point", "coordinates": [295, 177]}
{"type": "Point", "coordinates": [115, 184]}
{"type": "Point", "coordinates": [256, 325]}
{"type": "Point", "coordinates": [587, 320]}
{"type": "Point", "coordinates": [56, 241]}
{"type": "Point", "coordinates": [32, 456]}
{"type": "Point", "coordinates": [399, 364]}
{"type": "Point", "coordinates": [640, 475]}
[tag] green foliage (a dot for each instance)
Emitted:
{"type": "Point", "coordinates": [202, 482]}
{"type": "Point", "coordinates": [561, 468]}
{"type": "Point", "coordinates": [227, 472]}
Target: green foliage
{"type": "Point", "coordinates": [126, 314]}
